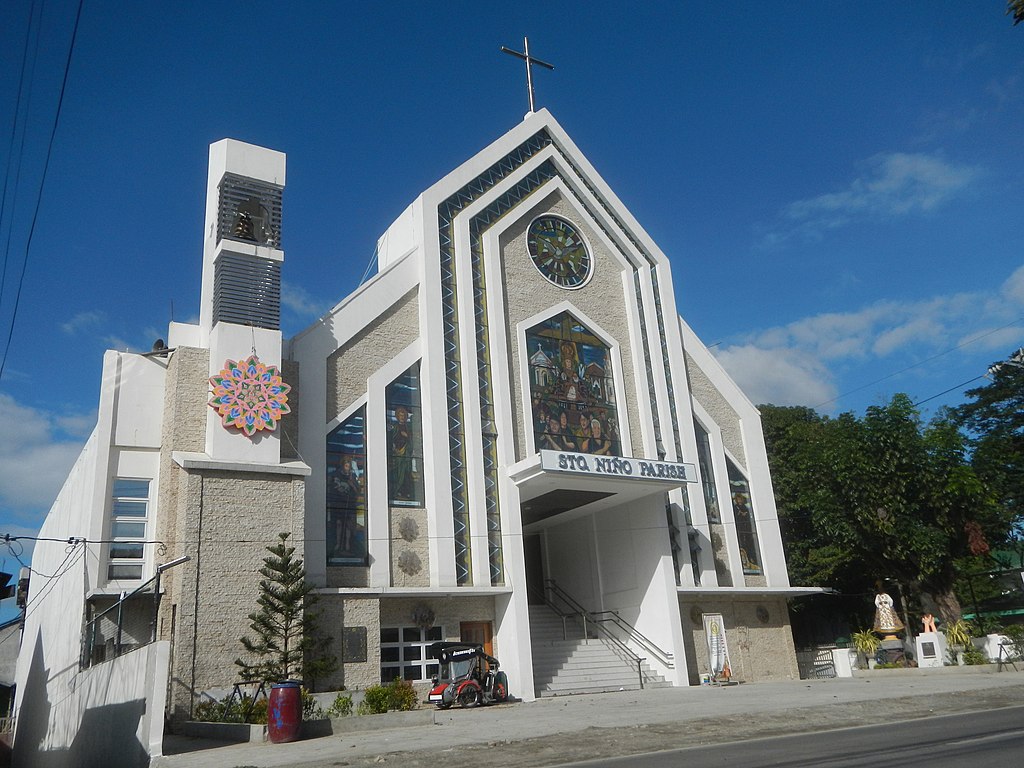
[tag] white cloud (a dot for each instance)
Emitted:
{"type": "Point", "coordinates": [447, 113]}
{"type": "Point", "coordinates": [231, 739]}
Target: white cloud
{"type": "Point", "coordinates": [298, 300]}
{"type": "Point", "coordinates": [1013, 288]}
{"type": "Point", "coordinates": [790, 364]}
{"type": "Point", "coordinates": [35, 456]}
{"type": "Point", "coordinates": [780, 377]}
{"type": "Point", "coordinates": [892, 184]}
{"type": "Point", "coordinates": [84, 321]}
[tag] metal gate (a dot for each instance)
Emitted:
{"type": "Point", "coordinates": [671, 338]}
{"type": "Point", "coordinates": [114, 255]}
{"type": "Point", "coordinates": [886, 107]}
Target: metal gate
{"type": "Point", "coordinates": [816, 663]}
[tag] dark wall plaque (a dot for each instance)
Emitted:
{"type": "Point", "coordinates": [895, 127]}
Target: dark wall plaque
{"type": "Point", "coordinates": [353, 644]}
{"type": "Point", "coordinates": [928, 650]}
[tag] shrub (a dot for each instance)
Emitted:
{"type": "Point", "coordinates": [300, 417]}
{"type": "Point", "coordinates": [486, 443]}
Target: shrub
{"type": "Point", "coordinates": [311, 709]}
{"type": "Point", "coordinates": [341, 706]}
{"type": "Point", "coordinates": [375, 701]}
{"type": "Point", "coordinates": [402, 696]}
{"type": "Point", "coordinates": [398, 694]}
{"type": "Point", "coordinates": [974, 655]}
{"type": "Point", "coordinates": [985, 625]}
{"type": "Point", "coordinates": [231, 710]}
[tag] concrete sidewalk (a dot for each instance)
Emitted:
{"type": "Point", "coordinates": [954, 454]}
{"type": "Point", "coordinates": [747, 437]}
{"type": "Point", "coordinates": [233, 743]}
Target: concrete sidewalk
{"type": "Point", "coordinates": [565, 729]}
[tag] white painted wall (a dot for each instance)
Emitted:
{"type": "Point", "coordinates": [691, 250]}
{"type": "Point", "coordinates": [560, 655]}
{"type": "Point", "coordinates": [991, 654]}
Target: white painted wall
{"type": "Point", "coordinates": [49, 701]}
{"type": "Point", "coordinates": [110, 714]}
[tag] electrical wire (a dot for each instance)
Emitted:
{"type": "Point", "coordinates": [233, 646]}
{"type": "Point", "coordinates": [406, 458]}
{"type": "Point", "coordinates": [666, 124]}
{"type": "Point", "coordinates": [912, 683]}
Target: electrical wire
{"type": "Point", "coordinates": [10, 146]}
{"type": "Point", "coordinates": [42, 184]}
{"type": "Point", "coordinates": [922, 362]}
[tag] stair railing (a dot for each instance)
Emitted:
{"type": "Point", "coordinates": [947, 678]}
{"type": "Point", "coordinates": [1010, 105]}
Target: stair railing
{"type": "Point", "coordinates": [568, 607]}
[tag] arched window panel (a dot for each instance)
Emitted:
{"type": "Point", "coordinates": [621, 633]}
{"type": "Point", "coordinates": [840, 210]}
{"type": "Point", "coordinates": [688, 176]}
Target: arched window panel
{"type": "Point", "coordinates": [405, 440]}
{"type": "Point", "coordinates": [572, 391]}
{"type": "Point", "coordinates": [746, 529]}
{"type": "Point", "coordinates": [346, 492]}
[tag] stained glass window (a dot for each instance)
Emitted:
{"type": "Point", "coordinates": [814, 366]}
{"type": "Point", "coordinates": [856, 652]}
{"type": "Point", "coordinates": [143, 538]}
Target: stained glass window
{"type": "Point", "coordinates": [405, 440]}
{"type": "Point", "coordinates": [571, 388]}
{"type": "Point", "coordinates": [746, 528]}
{"type": "Point", "coordinates": [346, 492]}
{"type": "Point", "coordinates": [707, 473]}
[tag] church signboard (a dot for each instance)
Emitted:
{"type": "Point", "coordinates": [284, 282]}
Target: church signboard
{"type": "Point", "coordinates": [617, 466]}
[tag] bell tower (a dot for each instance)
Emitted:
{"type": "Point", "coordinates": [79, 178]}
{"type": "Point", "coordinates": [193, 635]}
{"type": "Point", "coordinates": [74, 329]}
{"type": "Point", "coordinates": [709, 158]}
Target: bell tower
{"type": "Point", "coordinates": [240, 310]}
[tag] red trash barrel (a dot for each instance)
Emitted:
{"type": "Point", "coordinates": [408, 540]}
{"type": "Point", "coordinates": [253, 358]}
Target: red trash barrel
{"type": "Point", "coordinates": [284, 713]}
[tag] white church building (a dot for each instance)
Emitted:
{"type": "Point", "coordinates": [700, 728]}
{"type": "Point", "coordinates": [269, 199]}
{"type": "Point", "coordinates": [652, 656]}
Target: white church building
{"type": "Point", "coordinates": [508, 426]}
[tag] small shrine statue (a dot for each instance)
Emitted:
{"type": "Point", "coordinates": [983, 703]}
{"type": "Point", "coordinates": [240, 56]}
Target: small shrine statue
{"type": "Point", "coordinates": [929, 623]}
{"type": "Point", "coordinates": [886, 621]}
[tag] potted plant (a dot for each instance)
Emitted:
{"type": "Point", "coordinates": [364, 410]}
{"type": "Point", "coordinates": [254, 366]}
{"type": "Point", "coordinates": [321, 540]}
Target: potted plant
{"type": "Point", "coordinates": [867, 643]}
{"type": "Point", "coordinates": [958, 637]}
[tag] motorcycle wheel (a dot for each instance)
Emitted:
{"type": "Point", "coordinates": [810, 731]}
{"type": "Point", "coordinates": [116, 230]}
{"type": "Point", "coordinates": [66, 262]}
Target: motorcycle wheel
{"type": "Point", "coordinates": [501, 688]}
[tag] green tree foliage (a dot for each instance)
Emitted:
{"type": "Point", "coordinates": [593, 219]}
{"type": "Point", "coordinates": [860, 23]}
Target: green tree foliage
{"type": "Point", "coordinates": [1016, 9]}
{"type": "Point", "coordinates": [285, 644]}
{"type": "Point", "coordinates": [994, 420]}
{"type": "Point", "coordinates": [880, 496]}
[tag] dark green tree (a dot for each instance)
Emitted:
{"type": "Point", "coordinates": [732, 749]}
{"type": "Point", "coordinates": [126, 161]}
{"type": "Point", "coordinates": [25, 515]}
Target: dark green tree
{"type": "Point", "coordinates": [1016, 9]}
{"type": "Point", "coordinates": [880, 496]}
{"type": "Point", "coordinates": [285, 644]}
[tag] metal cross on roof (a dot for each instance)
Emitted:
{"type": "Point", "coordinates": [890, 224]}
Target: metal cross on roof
{"type": "Point", "coordinates": [530, 60]}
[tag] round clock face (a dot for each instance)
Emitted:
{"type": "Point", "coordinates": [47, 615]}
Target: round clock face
{"type": "Point", "coordinates": [559, 251]}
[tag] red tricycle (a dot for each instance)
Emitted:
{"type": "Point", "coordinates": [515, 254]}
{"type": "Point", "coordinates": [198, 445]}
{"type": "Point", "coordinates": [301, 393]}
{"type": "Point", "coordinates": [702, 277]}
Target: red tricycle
{"type": "Point", "coordinates": [468, 676]}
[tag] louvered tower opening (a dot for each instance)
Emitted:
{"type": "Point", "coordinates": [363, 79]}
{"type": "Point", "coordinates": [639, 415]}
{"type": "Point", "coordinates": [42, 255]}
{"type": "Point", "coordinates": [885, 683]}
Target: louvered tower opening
{"type": "Point", "coordinates": [247, 289]}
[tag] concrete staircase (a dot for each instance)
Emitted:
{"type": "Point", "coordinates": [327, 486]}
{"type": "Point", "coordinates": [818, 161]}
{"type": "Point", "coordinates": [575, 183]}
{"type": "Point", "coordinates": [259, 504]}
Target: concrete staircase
{"type": "Point", "coordinates": [577, 664]}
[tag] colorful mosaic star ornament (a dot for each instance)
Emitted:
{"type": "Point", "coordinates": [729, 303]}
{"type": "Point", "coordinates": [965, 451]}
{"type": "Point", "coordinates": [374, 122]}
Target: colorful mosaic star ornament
{"type": "Point", "coordinates": [249, 395]}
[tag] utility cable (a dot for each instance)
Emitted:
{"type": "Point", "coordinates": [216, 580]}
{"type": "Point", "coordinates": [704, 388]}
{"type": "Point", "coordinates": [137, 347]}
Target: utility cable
{"type": "Point", "coordinates": [42, 184]}
{"type": "Point", "coordinates": [10, 146]}
{"type": "Point", "coordinates": [920, 363]}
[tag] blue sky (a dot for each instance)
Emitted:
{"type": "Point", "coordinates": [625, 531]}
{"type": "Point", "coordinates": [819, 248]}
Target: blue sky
{"type": "Point", "coordinates": [838, 186]}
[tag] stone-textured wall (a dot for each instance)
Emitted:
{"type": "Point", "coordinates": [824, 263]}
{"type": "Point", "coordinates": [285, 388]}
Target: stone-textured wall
{"type": "Point", "coordinates": [337, 612]}
{"type": "Point", "coordinates": [725, 416]}
{"type": "Point", "coordinates": [224, 521]}
{"type": "Point", "coordinates": [757, 631]}
{"type": "Point", "coordinates": [349, 367]}
{"type": "Point", "coordinates": [410, 550]}
{"type": "Point", "coordinates": [449, 613]}
{"type": "Point", "coordinates": [528, 293]}
{"type": "Point", "coordinates": [186, 393]}
{"type": "Point", "coordinates": [230, 520]}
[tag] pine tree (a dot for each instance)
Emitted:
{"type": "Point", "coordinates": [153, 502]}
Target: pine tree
{"type": "Point", "coordinates": [286, 644]}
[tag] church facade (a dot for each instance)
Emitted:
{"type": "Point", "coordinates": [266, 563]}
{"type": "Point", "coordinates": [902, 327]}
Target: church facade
{"type": "Point", "coordinates": [509, 422]}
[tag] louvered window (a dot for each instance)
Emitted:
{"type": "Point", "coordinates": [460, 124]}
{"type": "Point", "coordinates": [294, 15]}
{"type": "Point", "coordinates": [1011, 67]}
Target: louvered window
{"type": "Point", "coordinates": [247, 291]}
{"type": "Point", "coordinates": [249, 211]}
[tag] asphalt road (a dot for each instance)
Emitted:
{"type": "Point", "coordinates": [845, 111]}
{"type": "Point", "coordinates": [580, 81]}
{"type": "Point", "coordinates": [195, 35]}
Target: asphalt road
{"type": "Point", "coordinates": [989, 738]}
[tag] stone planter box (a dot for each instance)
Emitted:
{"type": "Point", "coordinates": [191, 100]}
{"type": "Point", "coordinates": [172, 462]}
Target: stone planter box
{"type": "Point", "coordinates": [240, 733]}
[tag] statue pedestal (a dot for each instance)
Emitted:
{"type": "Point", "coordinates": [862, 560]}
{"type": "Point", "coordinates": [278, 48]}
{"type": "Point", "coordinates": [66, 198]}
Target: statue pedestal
{"type": "Point", "coordinates": [931, 649]}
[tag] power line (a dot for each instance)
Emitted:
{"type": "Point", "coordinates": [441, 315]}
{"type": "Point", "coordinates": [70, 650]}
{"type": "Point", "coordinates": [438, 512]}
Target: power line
{"type": "Point", "coordinates": [922, 362]}
{"type": "Point", "coordinates": [42, 184]}
{"type": "Point", "coordinates": [10, 146]}
{"type": "Point", "coordinates": [951, 389]}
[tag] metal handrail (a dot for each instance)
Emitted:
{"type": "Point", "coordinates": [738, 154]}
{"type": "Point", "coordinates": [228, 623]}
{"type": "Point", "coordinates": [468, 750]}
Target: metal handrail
{"type": "Point", "coordinates": [666, 658]}
{"type": "Point", "coordinates": [597, 620]}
